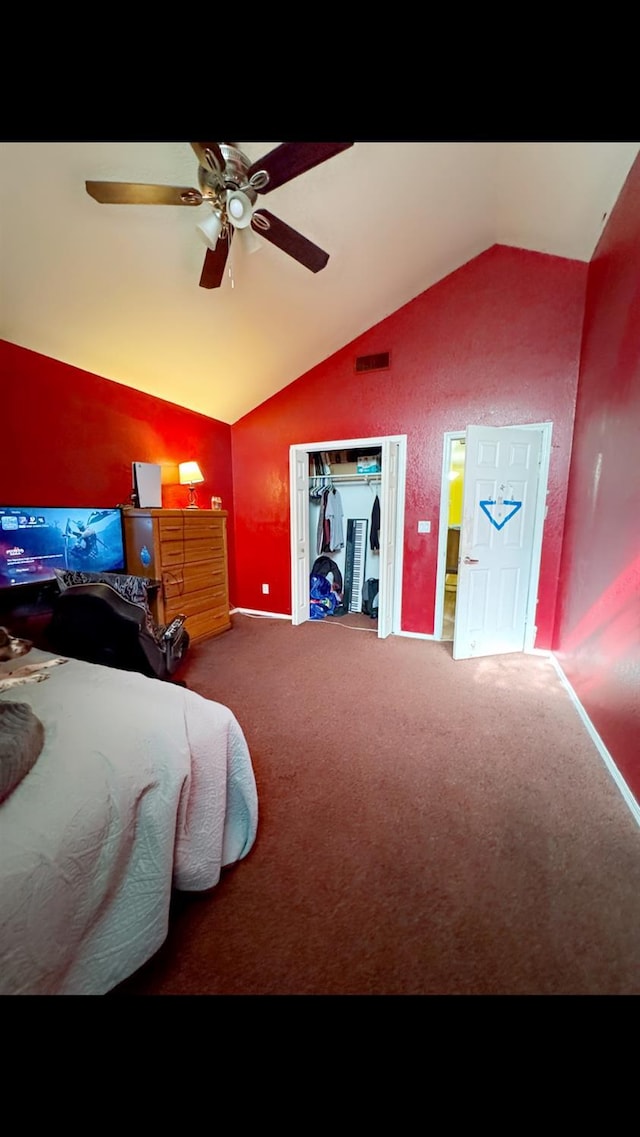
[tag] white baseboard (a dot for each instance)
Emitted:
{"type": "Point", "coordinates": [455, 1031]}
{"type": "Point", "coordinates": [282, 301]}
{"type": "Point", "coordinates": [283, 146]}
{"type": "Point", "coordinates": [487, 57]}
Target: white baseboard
{"type": "Point", "coordinates": [598, 743]}
{"type": "Point", "coordinates": [258, 612]}
{"type": "Point", "coordinates": [420, 636]}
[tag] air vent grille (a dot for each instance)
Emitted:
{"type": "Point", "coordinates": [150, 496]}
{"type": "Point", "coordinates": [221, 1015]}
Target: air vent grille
{"type": "Point", "coordinates": [379, 362]}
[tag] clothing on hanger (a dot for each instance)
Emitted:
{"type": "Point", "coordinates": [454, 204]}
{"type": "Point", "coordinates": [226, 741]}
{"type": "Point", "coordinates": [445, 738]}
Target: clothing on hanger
{"type": "Point", "coordinates": [374, 535]}
{"type": "Point", "coordinates": [334, 515]}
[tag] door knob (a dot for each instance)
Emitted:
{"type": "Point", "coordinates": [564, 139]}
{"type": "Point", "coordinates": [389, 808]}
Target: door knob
{"type": "Point", "coordinates": [471, 561]}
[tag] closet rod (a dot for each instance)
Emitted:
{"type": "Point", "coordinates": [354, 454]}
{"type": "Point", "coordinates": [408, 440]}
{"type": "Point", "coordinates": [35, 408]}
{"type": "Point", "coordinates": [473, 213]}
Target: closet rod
{"type": "Point", "coordinates": [375, 478]}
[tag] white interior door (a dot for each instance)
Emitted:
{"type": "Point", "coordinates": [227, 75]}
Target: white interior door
{"type": "Point", "coordinates": [299, 477]}
{"type": "Point", "coordinates": [388, 536]}
{"type": "Point", "coordinates": [501, 485]}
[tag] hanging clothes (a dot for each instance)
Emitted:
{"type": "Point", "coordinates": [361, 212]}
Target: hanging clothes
{"type": "Point", "coordinates": [322, 534]}
{"type": "Point", "coordinates": [374, 535]}
{"type": "Point", "coordinates": [330, 536]}
{"type": "Point", "coordinates": [334, 515]}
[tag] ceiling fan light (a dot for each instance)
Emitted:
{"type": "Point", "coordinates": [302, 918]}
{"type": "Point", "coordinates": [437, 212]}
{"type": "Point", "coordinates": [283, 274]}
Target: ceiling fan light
{"type": "Point", "coordinates": [209, 229]}
{"type": "Point", "coordinates": [239, 209]}
{"type": "Point", "coordinates": [250, 242]}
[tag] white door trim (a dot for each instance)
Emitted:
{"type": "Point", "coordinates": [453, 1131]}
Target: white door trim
{"type": "Point", "coordinates": [443, 527]}
{"type": "Point", "coordinates": [298, 574]}
{"type": "Point", "coordinates": [546, 429]}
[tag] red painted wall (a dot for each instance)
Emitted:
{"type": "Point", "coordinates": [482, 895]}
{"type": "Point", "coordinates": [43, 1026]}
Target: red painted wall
{"type": "Point", "coordinates": [496, 342]}
{"type": "Point", "coordinates": [70, 437]}
{"type": "Point", "coordinates": [598, 626]}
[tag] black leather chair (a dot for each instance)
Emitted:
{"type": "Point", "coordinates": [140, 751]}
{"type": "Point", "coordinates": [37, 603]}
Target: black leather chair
{"type": "Point", "coordinates": [95, 623]}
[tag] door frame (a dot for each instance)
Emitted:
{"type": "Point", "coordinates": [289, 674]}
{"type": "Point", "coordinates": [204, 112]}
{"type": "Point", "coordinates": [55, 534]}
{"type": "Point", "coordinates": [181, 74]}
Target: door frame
{"type": "Point", "coordinates": [299, 540]}
{"type": "Point", "coordinates": [546, 430]}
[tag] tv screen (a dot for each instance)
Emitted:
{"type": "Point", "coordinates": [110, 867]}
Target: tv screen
{"type": "Point", "coordinates": [35, 540]}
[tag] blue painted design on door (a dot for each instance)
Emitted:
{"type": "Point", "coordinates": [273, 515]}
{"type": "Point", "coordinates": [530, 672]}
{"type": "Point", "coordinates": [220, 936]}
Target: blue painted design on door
{"type": "Point", "coordinates": [501, 524]}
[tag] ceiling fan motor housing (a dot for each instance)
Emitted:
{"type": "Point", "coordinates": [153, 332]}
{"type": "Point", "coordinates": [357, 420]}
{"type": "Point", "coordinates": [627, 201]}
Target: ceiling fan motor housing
{"type": "Point", "coordinates": [214, 184]}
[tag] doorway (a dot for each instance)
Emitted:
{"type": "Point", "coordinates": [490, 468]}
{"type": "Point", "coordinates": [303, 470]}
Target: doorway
{"type": "Point", "coordinates": [455, 476]}
{"type": "Point", "coordinates": [392, 474]}
{"type": "Point", "coordinates": [458, 588]}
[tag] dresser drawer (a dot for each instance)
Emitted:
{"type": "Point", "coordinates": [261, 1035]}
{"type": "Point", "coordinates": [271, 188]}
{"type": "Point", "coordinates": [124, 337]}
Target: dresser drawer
{"type": "Point", "coordinates": [194, 527]}
{"type": "Point", "coordinates": [186, 552]}
{"type": "Point", "coordinates": [208, 623]}
{"type": "Point", "coordinates": [187, 579]}
{"type": "Point", "coordinates": [193, 603]}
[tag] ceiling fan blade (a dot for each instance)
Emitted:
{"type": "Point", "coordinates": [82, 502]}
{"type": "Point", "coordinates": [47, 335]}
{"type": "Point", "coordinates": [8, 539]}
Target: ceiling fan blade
{"type": "Point", "coordinates": [289, 240]}
{"type": "Point", "coordinates": [291, 159]}
{"type": "Point", "coordinates": [214, 263]}
{"type": "Point", "coordinates": [136, 193]}
{"type": "Point", "coordinates": [200, 149]}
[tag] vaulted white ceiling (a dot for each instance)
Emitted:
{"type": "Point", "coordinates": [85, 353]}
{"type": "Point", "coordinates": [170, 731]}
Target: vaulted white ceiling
{"type": "Point", "coordinates": [114, 289]}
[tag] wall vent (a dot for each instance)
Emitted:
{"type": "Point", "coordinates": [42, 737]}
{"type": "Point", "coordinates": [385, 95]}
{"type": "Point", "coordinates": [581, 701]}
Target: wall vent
{"type": "Point", "coordinates": [379, 362]}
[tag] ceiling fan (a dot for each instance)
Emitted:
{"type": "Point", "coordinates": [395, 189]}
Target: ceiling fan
{"type": "Point", "coordinates": [231, 184]}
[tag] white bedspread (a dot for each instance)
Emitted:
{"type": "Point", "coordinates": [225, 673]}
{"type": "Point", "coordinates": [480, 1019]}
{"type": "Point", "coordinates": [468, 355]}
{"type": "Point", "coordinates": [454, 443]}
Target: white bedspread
{"type": "Point", "coordinates": [140, 785]}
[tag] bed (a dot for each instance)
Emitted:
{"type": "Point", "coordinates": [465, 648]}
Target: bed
{"type": "Point", "coordinates": [140, 786]}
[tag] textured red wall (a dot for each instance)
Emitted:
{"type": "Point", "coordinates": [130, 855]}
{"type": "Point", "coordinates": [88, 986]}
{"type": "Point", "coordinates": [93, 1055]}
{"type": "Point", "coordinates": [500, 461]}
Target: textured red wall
{"type": "Point", "coordinates": [496, 342]}
{"type": "Point", "coordinates": [70, 437]}
{"type": "Point", "coordinates": [598, 626]}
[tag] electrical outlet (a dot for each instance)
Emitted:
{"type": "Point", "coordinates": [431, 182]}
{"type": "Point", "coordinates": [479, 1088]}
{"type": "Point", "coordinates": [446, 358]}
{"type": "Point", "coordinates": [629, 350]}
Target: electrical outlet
{"type": "Point", "coordinates": [265, 589]}
{"type": "Point", "coordinates": [424, 527]}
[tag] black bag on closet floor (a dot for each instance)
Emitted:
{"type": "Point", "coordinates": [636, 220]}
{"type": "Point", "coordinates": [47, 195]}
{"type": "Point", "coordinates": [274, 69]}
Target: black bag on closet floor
{"type": "Point", "coordinates": [322, 566]}
{"type": "Point", "coordinates": [370, 598]}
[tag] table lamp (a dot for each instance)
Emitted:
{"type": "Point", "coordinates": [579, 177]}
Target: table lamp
{"type": "Point", "coordinates": [190, 474]}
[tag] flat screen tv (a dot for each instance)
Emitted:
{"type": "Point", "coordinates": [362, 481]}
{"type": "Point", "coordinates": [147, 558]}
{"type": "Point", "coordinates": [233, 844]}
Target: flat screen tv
{"type": "Point", "coordinates": [35, 540]}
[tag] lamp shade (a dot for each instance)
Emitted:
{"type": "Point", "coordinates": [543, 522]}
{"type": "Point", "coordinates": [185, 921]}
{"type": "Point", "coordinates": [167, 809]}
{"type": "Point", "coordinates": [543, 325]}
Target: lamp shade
{"type": "Point", "coordinates": [190, 473]}
{"type": "Point", "coordinates": [249, 241]}
{"type": "Point", "coordinates": [209, 229]}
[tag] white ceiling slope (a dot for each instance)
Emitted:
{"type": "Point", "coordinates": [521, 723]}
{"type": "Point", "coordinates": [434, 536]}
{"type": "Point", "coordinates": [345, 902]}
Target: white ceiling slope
{"type": "Point", "coordinates": [114, 289]}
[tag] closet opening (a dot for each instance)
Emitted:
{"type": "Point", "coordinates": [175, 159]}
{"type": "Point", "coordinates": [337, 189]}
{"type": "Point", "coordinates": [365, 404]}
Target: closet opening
{"type": "Point", "coordinates": [344, 534]}
{"type": "Point", "coordinates": [347, 504]}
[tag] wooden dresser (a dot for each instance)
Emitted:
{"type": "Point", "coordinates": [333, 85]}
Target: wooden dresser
{"type": "Point", "coordinates": [187, 550]}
